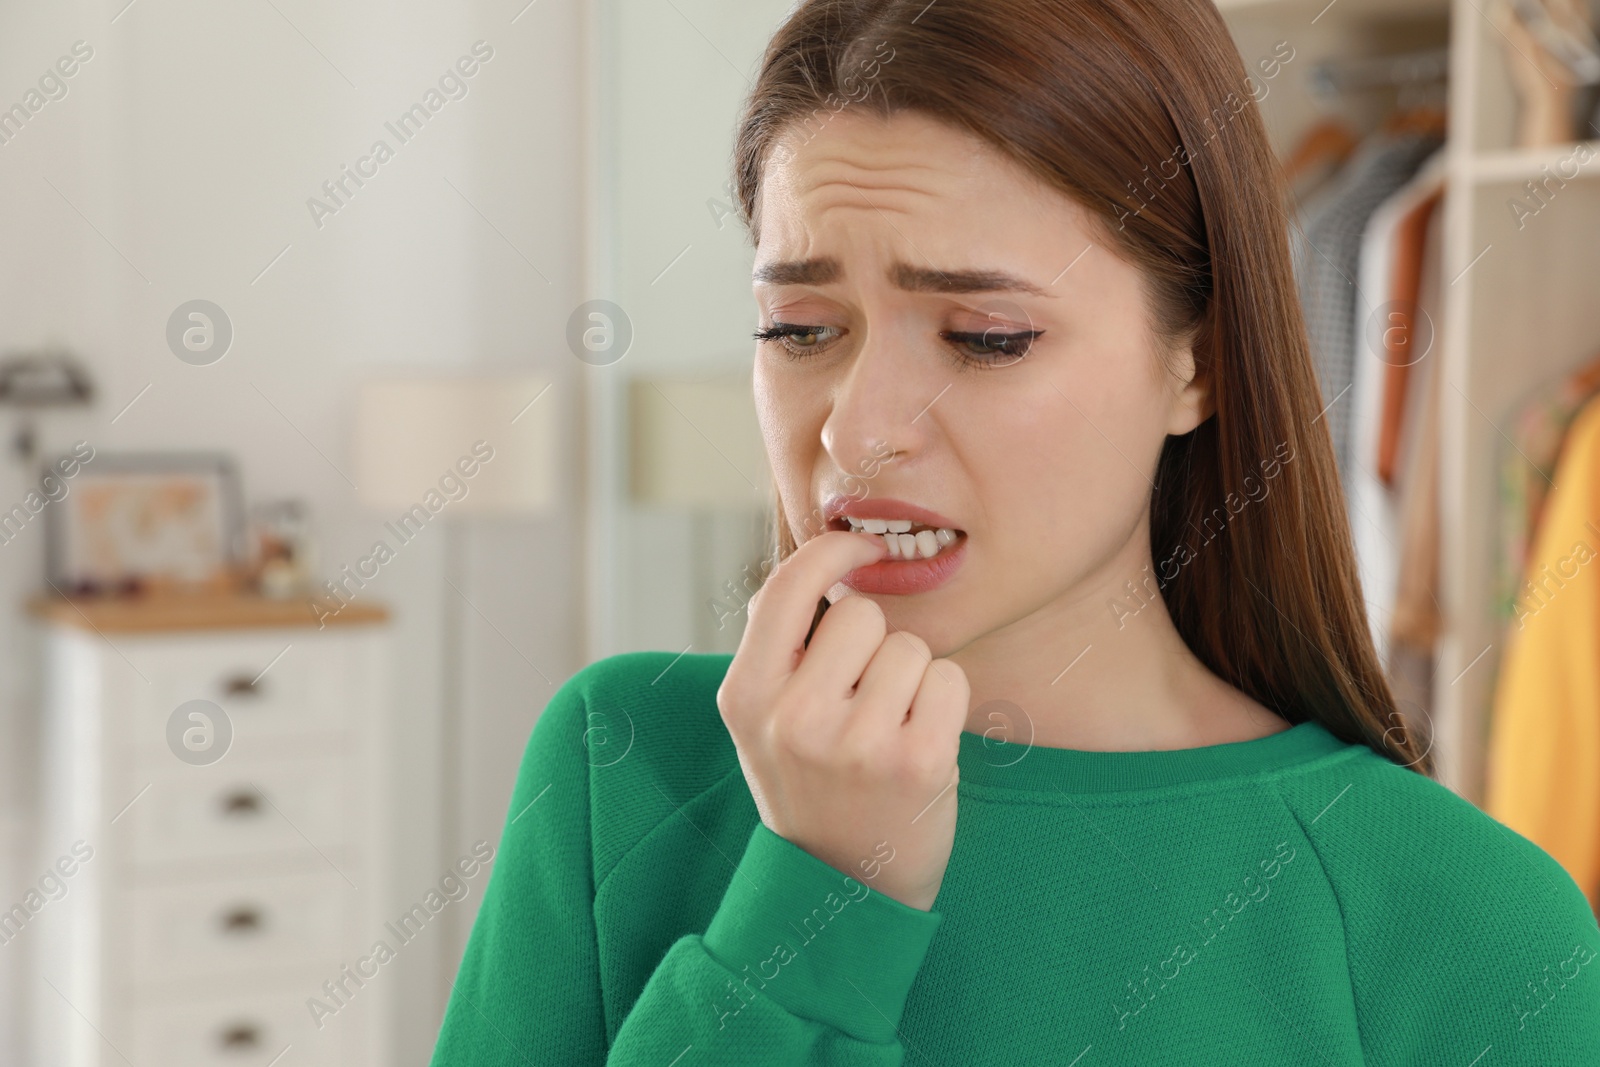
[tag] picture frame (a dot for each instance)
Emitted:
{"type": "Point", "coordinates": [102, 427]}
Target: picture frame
{"type": "Point", "coordinates": [136, 521]}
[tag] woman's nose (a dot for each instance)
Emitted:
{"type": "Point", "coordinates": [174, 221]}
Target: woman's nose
{"type": "Point", "coordinates": [880, 406]}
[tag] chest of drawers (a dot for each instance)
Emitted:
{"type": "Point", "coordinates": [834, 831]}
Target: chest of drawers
{"type": "Point", "coordinates": [217, 795]}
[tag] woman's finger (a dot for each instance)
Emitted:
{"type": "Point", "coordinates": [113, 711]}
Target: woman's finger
{"type": "Point", "coordinates": [781, 612]}
{"type": "Point", "coordinates": [891, 679]}
{"type": "Point", "coordinates": [844, 644]}
{"type": "Point", "coordinates": [939, 708]}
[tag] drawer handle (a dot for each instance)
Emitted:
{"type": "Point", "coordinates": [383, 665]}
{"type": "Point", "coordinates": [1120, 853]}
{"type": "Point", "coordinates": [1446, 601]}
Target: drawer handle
{"type": "Point", "coordinates": [240, 1035]}
{"type": "Point", "coordinates": [241, 803]}
{"type": "Point", "coordinates": [241, 685]}
{"type": "Point", "coordinates": [241, 920]}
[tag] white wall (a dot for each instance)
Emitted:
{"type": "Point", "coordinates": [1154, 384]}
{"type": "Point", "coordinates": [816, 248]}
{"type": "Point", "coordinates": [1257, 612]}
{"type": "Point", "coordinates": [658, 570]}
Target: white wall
{"type": "Point", "coordinates": [680, 77]}
{"type": "Point", "coordinates": [187, 147]}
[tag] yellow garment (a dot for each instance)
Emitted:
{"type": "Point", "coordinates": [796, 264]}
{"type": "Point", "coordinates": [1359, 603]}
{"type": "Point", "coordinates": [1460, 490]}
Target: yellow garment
{"type": "Point", "coordinates": [1543, 772]}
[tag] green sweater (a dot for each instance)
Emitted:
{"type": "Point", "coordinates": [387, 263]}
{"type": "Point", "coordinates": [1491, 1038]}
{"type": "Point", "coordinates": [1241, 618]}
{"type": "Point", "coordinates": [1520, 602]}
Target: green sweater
{"type": "Point", "coordinates": [1294, 899]}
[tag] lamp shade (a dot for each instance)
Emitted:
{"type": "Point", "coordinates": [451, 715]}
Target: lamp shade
{"type": "Point", "coordinates": [697, 445]}
{"type": "Point", "coordinates": [479, 445]}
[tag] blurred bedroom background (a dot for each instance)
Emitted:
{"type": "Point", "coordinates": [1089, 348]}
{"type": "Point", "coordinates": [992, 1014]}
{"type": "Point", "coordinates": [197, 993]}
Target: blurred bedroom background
{"type": "Point", "coordinates": [366, 370]}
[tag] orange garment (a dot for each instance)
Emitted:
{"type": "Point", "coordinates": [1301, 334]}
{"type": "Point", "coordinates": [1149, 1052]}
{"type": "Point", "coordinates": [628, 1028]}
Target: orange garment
{"type": "Point", "coordinates": [1543, 773]}
{"type": "Point", "coordinates": [1425, 118]}
{"type": "Point", "coordinates": [1417, 619]}
{"type": "Point", "coordinates": [1415, 623]}
{"type": "Point", "coordinates": [1405, 281]}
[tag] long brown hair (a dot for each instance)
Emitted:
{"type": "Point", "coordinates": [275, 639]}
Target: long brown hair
{"type": "Point", "coordinates": [1142, 112]}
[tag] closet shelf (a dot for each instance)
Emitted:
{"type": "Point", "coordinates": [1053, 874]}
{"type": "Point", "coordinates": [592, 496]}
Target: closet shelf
{"type": "Point", "coordinates": [1517, 165]}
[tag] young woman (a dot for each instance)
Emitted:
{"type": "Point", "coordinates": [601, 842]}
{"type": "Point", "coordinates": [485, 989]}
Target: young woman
{"type": "Point", "coordinates": [1091, 760]}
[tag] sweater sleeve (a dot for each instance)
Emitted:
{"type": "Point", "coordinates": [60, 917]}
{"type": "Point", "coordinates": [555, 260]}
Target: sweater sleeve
{"type": "Point", "coordinates": [800, 964]}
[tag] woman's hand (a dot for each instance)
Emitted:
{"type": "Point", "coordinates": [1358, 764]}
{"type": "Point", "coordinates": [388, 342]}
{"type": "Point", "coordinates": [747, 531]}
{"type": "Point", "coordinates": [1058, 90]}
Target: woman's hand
{"type": "Point", "coordinates": [849, 744]}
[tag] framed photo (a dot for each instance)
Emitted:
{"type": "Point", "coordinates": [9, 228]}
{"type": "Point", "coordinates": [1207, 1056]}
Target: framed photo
{"type": "Point", "coordinates": [136, 520]}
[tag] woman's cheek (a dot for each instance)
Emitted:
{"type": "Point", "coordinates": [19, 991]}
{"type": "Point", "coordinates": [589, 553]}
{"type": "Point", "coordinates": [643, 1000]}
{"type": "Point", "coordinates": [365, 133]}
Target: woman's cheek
{"type": "Point", "coordinates": [776, 416]}
{"type": "Point", "coordinates": [1097, 498]}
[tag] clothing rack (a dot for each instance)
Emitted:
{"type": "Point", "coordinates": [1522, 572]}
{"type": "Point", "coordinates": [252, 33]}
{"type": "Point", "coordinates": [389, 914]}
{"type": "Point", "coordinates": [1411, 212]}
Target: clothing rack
{"type": "Point", "coordinates": [1515, 271]}
{"type": "Point", "coordinates": [1331, 77]}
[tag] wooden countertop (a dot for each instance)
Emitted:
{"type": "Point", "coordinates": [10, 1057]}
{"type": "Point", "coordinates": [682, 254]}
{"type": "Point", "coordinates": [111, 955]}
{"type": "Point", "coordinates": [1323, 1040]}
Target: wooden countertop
{"type": "Point", "coordinates": [159, 612]}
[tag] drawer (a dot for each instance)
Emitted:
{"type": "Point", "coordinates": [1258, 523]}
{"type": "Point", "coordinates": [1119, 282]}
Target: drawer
{"type": "Point", "coordinates": [220, 928]}
{"type": "Point", "coordinates": [237, 807]}
{"type": "Point", "coordinates": [249, 1031]}
{"type": "Point", "coordinates": [285, 685]}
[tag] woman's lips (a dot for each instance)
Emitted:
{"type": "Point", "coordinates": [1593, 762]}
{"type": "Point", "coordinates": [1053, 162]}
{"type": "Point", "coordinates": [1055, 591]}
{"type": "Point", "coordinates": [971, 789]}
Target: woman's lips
{"type": "Point", "coordinates": [904, 577]}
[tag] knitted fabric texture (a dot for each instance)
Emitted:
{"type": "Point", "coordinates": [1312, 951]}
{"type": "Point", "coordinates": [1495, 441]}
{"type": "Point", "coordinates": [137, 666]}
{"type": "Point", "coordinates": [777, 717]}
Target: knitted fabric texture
{"type": "Point", "coordinates": [1293, 899]}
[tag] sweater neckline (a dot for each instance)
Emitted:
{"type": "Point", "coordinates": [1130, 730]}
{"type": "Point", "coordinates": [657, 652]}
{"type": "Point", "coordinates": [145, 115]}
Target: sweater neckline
{"type": "Point", "coordinates": [1040, 769]}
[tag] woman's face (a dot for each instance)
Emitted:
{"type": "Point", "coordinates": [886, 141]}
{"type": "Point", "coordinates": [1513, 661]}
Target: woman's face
{"type": "Point", "coordinates": [882, 238]}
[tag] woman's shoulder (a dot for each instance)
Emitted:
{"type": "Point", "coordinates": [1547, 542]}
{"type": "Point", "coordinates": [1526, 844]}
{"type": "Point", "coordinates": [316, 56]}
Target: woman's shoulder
{"type": "Point", "coordinates": [641, 735]}
{"type": "Point", "coordinates": [1438, 896]}
{"type": "Point", "coordinates": [640, 710]}
{"type": "Point", "coordinates": [1374, 821]}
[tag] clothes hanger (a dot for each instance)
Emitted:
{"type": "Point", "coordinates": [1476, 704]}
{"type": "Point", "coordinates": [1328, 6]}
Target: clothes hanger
{"type": "Point", "coordinates": [1421, 79]}
{"type": "Point", "coordinates": [1420, 106]}
{"type": "Point", "coordinates": [1330, 140]}
{"type": "Point", "coordinates": [1561, 27]}
{"type": "Point", "coordinates": [1418, 118]}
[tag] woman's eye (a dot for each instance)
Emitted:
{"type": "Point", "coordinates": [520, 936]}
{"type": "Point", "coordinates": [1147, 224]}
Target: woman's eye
{"type": "Point", "coordinates": [986, 348]}
{"type": "Point", "coordinates": [799, 339]}
{"type": "Point", "coordinates": [991, 348]}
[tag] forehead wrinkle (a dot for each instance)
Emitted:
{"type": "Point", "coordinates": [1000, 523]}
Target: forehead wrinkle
{"type": "Point", "coordinates": [841, 192]}
{"type": "Point", "coordinates": [914, 176]}
{"type": "Point", "coordinates": [858, 157]}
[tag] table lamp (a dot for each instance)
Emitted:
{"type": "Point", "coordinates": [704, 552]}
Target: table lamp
{"type": "Point", "coordinates": [696, 446]}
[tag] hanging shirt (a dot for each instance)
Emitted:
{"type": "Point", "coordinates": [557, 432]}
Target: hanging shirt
{"type": "Point", "coordinates": [1543, 771]}
{"type": "Point", "coordinates": [1292, 899]}
{"type": "Point", "coordinates": [1326, 250]}
{"type": "Point", "coordinates": [1527, 466]}
{"type": "Point", "coordinates": [1374, 507]}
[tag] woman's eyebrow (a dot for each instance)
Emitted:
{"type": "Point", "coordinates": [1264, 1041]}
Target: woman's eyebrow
{"type": "Point", "coordinates": [825, 269]}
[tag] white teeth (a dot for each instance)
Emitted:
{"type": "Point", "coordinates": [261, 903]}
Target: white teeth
{"type": "Point", "coordinates": [902, 543]}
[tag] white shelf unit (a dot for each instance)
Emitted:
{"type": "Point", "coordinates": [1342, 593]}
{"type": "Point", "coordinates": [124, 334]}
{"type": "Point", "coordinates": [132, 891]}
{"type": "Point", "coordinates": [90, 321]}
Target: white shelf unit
{"type": "Point", "coordinates": [216, 899]}
{"type": "Point", "coordinates": [1517, 303]}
